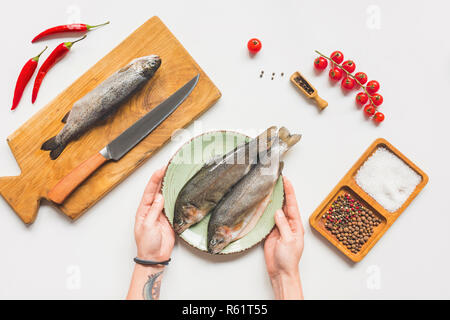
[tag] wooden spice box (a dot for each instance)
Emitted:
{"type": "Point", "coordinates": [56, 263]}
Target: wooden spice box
{"type": "Point", "coordinates": [348, 185]}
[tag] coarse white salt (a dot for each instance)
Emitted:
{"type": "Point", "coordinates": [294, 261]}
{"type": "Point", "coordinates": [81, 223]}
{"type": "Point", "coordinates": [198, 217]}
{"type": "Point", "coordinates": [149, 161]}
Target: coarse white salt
{"type": "Point", "coordinates": [387, 179]}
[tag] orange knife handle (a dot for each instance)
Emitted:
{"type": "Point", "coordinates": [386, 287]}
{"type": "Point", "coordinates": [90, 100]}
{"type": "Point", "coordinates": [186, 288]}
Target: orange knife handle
{"type": "Point", "coordinates": [66, 185]}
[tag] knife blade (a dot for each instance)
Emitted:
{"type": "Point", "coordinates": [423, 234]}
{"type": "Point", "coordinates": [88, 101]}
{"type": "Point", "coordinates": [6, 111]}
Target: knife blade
{"type": "Point", "coordinates": [126, 141]}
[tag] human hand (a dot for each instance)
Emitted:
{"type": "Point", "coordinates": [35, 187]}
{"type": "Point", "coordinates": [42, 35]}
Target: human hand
{"type": "Point", "coordinates": [154, 235]}
{"type": "Point", "coordinates": [283, 247]}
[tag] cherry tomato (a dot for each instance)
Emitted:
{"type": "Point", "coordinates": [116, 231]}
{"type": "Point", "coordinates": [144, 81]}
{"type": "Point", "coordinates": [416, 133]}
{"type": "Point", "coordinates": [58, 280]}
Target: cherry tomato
{"type": "Point", "coordinates": [337, 57]}
{"type": "Point", "coordinates": [335, 74]}
{"type": "Point", "coordinates": [377, 99]}
{"type": "Point", "coordinates": [349, 65]}
{"type": "Point", "coordinates": [362, 77]}
{"type": "Point", "coordinates": [372, 86]}
{"type": "Point", "coordinates": [320, 63]}
{"type": "Point", "coordinates": [369, 110]}
{"type": "Point", "coordinates": [348, 83]}
{"type": "Point", "coordinates": [378, 117]}
{"type": "Point", "coordinates": [362, 98]}
{"type": "Point", "coordinates": [254, 45]}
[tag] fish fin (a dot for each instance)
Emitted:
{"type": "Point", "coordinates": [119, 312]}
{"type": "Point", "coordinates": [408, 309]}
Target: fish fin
{"type": "Point", "coordinates": [64, 120]}
{"type": "Point", "coordinates": [280, 168]}
{"type": "Point", "coordinates": [54, 147]}
{"type": "Point", "coordinates": [255, 216]}
{"type": "Point", "coordinates": [50, 144]}
{"type": "Point", "coordinates": [123, 69]}
{"type": "Point", "coordinates": [56, 152]}
{"type": "Point", "coordinates": [287, 137]}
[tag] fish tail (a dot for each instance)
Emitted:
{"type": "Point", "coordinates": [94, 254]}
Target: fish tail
{"type": "Point", "coordinates": [64, 120]}
{"type": "Point", "coordinates": [50, 144]}
{"type": "Point", "coordinates": [54, 147]}
{"type": "Point", "coordinates": [287, 137]}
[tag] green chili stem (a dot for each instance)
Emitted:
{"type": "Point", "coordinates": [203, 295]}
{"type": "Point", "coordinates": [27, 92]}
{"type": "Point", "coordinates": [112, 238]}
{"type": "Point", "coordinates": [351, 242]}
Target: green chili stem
{"type": "Point", "coordinates": [79, 39]}
{"type": "Point", "coordinates": [37, 57]}
{"type": "Point", "coordinates": [89, 27]}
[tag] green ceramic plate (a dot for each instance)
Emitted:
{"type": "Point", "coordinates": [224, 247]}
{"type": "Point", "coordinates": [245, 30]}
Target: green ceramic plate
{"type": "Point", "coordinates": [186, 162]}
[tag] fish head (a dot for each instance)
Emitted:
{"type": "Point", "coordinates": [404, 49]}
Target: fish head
{"type": "Point", "coordinates": [187, 216]}
{"type": "Point", "coordinates": [220, 239]}
{"type": "Point", "coordinates": [148, 65]}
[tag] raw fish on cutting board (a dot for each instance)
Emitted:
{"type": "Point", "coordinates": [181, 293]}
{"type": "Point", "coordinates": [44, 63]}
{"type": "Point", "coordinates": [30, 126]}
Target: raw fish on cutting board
{"type": "Point", "coordinates": [39, 173]}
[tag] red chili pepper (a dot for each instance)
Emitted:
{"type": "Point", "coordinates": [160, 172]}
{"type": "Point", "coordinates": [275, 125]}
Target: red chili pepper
{"type": "Point", "coordinates": [75, 27]}
{"type": "Point", "coordinates": [24, 77]}
{"type": "Point", "coordinates": [56, 55]}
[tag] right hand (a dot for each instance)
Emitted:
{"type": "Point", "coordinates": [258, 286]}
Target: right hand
{"type": "Point", "coordinates": [283, 247]}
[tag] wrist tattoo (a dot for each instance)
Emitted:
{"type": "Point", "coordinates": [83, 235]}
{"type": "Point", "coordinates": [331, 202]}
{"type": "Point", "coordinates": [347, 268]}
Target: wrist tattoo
{"type": "Point", "coordinates": [152, 287]}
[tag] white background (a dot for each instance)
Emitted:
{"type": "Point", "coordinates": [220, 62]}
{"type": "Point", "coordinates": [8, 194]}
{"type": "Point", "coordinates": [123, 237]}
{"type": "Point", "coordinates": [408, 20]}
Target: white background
{"type": "Point", "coordinates": [402, 44]}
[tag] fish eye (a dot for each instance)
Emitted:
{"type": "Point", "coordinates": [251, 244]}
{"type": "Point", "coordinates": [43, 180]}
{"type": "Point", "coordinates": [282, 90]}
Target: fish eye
{"type": "Point", "coordinates": [216, 241]}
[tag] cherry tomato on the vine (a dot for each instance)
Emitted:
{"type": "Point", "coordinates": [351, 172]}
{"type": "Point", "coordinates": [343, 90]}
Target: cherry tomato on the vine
{"type": "Point", "coordinates": [369, 110]}
{"type": "Point", "coordinates": [254, 45]}
{"type": "Point", "coordinates": [320, 63]}
{"type": "Point", "coordinates": [362, 98]}
{"type": "Point", "coordinates": [349, 65]}
{"type": "Point", "coordinates": [361, 77]}
{"type": "Point", "coordinates": [378, 117]}
{"type": "Point", "coordinates": [372, 86]}
{"type": "Point", "coordinates": [377, 99]}
{"type": "Point", "coordinates": [337, 57]}
{"type": "Point", "coordinates": [348, 83]}
{"type": "Point", "coordinates": [335, 74]}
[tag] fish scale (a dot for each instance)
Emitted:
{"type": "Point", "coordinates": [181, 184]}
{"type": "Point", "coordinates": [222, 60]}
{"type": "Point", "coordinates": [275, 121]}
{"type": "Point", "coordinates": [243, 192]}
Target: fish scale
{"type": "Point", "coordinates": [102, 102]}
{"type": "Point", "coordinates": [240, 209]}
{"type": "Point", "coordinates": [208, 186]}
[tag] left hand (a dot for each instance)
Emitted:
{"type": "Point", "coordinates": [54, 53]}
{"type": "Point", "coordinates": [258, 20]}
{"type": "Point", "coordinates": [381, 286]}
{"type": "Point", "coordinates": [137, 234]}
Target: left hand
{"type": "Point", "coordinates": [154, 235]}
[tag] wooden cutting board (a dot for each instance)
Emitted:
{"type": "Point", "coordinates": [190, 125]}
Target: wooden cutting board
{"type": "Point", "coordinates": [39, 173]}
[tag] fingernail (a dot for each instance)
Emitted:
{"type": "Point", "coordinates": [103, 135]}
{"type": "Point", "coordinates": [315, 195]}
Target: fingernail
{"type": "Point", "coordinates": [158, 197]}
{"type": "Point", "coordinates": [279, 213]}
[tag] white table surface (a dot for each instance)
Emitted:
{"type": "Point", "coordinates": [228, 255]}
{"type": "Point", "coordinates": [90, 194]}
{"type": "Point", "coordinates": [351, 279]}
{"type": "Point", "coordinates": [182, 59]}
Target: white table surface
{"type": "Point", "coordinates": [402, 44]}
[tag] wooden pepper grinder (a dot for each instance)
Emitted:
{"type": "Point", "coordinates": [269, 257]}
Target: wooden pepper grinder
{"type": "Point", "coordinates": [308, 90]}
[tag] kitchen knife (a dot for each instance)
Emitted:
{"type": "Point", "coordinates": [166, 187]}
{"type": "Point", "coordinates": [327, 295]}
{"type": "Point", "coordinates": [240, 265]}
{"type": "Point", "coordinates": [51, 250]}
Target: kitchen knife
{"type": "Point", "coordinates": [117, 148]}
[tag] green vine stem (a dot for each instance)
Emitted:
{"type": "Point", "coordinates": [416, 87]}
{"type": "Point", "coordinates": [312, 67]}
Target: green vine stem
{"type": "Point", "coordinates": [349, 75]}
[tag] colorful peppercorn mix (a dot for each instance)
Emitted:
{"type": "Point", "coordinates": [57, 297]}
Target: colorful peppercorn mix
{"type": "Point", "coordinates": [350, 222]}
